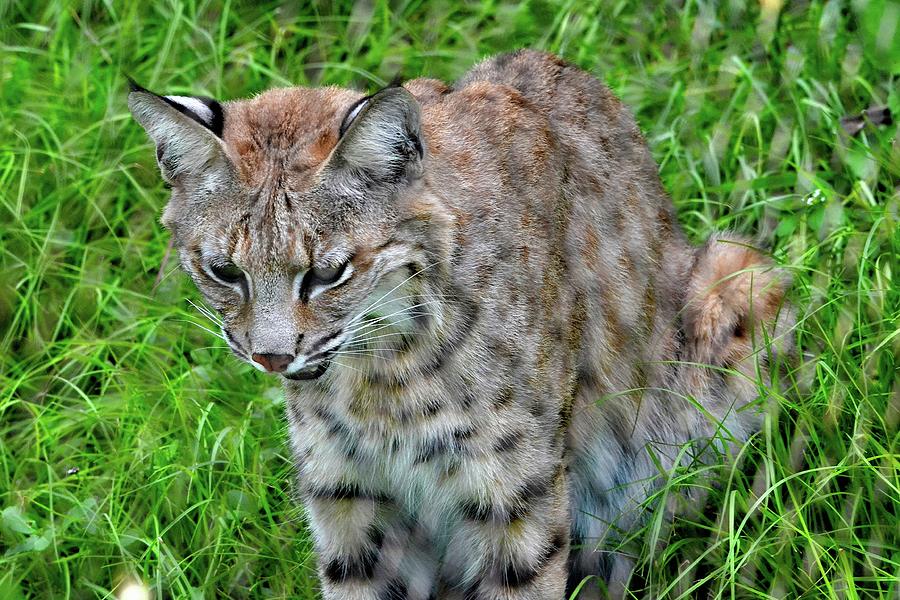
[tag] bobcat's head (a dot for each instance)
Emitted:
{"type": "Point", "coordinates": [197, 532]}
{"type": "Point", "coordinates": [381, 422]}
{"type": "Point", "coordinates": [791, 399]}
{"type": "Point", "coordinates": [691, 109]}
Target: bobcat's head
{"type": "Point", "coordinates": [299, 215]}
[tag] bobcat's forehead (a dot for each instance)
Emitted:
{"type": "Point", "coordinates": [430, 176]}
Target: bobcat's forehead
{"type": "Point", "coordinates": [277, 141]}
{"type": "Point", "coordinates": [257, 241]}
{"type": "Point", "coordinates": [281, 137]}
{"type": "Point", "coordinates": [280, 236]}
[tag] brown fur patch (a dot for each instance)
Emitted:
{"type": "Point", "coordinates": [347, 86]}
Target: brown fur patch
{"type": "Point", "coordinates": [284, 131]}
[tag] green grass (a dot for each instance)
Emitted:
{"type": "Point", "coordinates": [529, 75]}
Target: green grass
{"type": "Point", "coordinates": [183, 479]}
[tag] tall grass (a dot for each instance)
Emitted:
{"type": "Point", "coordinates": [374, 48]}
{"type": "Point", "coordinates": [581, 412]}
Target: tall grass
{"type": "Point", "coordinates": [134, 448]}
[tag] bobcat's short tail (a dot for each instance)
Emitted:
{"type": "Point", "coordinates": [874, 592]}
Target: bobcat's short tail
{"type": "Point", "coordinates": [735, 305]}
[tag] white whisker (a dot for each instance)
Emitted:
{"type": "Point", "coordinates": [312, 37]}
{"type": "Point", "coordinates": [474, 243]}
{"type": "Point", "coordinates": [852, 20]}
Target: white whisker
{"type": "Point", "coordinates": [380, 319]}
{"type": "Point", "coordinates": [206, 313]}
{"type": "Point", "coordinates": [389, 324]}
{"type": "Point", "coordinates": [345, 365]}
{"type": "Point", "coordinates": [206, 329]}
{"type": "Point", "coordinates": [392, 290]}
{"type": "Point", "coordinates": [367, 339]}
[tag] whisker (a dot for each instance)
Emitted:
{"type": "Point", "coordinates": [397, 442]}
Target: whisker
{"type": "Point", "coordinates": [392, 290]}
{"type": "Point", "coordinates": [430, 296]}
{"type": "Point", "coordinates": [200, 308]}
{"type": "Point", "coordinates": [195, 324]}
{"type": "Point", "coordinates": [366, 339]}
{"type": "Point", "coordinates": [206, 313]}
{"type": "Point", "coordinates": [371, 354]}
{"type": "Point", "coordinates": [374, 352]}
{"type": "Point", "coordinates": [389, 324]}
{"type": "Point", "coordinates": [345, 365]}
{"type": "Point", "coordinates": [365, 343]}
{"type": "Point", "coordinates": [383, 318]}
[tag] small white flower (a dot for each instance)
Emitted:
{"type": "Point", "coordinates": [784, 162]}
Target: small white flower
{"type": "Point", "coordinates": [816, 196]}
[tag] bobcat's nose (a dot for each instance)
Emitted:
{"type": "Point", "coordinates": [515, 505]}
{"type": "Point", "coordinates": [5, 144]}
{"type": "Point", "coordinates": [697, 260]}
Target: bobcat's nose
{"type": "Point", "coordinates": [276, 363]}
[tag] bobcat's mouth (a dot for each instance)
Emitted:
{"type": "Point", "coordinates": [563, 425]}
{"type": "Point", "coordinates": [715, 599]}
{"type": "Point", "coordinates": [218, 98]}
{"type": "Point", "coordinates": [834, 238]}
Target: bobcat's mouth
{"type": "Point", "coordinates": [310, 372]}
{"type": "Point", "coordinates": [320, 363]}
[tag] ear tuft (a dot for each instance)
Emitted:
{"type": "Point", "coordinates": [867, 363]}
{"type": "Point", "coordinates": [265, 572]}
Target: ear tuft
{"type": "Point", "coordinates": [134, 86]}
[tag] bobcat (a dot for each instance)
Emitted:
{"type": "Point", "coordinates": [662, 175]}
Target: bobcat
{"type": "Point", "coordinates": [491, 330]}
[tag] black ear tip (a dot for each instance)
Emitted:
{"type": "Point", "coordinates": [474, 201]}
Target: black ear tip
{"type": "Point", "coordinates": [134, 86]}
{"type": "Point", "coordinates": [397, 81]}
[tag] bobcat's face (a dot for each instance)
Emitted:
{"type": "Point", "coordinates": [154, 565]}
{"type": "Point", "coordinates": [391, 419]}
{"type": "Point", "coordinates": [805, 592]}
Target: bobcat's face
{"type": "Point", "coordinates": [296, 233]}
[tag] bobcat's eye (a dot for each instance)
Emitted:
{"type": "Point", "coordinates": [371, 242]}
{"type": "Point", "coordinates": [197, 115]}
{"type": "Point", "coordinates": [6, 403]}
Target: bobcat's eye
{"type": "Point", "coordinates": [319, 279]}
{"type": "Point", "coordinates": [227, 272]}
{"type": "Point", "coordinates": [326, 275]}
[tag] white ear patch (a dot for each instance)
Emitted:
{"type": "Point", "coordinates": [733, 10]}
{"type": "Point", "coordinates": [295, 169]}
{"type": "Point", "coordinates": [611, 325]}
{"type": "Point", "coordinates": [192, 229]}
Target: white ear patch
{"type": "Point", "coordinates": [352, 114]}
{"type": "Point", "coordinates": [195, 106]}
{"type": "Point", "coordinates": [181, 148]}
{"type": "Point", "coordinates": [356, 110]}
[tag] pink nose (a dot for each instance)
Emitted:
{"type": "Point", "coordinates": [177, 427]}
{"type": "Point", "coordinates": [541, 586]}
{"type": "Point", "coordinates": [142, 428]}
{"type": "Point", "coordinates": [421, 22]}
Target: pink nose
{"type": "Point", "coordinates": [275, 363]}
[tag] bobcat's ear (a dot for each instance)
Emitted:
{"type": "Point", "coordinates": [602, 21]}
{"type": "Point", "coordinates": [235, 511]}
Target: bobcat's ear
{"type": "Point", "coordinates": [187, 131]}
{"type": "Point", "coordinates": [381, 141]}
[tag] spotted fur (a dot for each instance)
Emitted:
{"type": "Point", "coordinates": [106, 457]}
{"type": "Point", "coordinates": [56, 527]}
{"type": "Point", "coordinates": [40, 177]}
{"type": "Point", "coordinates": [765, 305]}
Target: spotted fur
{"type": "Point", "coordinates": [492, 331]}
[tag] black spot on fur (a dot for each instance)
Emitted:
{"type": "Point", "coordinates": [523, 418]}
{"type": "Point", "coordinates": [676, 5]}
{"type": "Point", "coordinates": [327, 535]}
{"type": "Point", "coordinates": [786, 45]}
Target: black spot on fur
{"type": "Point", "coordinates": [344, 491]}
{"type": "Point", "coordinates": [463, 433]}
{"type": "Point", "coordinates": [505, 397]}
{"type": "Point", "coordinates": [476, 511]}
{"type": "Point", "coordinates": [444, 445]}
{"type": "Point", "coordinates": [518, 575]}
{"type": "Point", "coordinates": [527, 495]}
{"type": "Point", "coordinates": [508, 441]}
{"type": "Point", "coordinates": [537, 408]}
{"type": "Point", "coordinates": [534, 489]}
{"type": "Point", "coordinates": [375, 535]}
{"type": "Point", "coordinates": [361, 567]}
{"type": "Point", "coordinates": [395, 590]}
{"type": "Point", "coordinates": [432, 408]}
{"type": "Point", "coordinates": [335, 426]}
{"type": "Point", "coordinates": [587, 377]}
